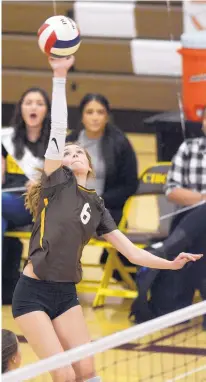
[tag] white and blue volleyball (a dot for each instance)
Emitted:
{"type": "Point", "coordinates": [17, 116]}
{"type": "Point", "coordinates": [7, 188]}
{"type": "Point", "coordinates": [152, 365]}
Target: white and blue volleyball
{"type": "Point", "coordinates": [59, 37]}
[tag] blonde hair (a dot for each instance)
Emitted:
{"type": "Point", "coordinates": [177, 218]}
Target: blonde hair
{"type": "Point", "coordinates": [32, 196]}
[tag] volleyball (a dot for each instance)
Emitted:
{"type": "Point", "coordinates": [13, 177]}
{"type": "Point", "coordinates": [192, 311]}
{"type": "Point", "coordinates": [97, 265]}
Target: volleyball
{"type": "Point", "coordinates": [59, 37]}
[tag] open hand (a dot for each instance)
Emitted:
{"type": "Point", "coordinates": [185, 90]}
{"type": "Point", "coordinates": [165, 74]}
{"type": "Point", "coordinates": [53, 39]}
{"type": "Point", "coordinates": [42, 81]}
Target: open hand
{"type": "Point", "coordinates": [61, 66]}
{"type": "Point", "coordinates": [183, 258]}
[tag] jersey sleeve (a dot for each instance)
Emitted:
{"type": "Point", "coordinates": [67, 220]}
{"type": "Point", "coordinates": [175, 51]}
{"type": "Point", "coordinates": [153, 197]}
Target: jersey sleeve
{"type": "Point", "coordinates": [107, 223]}
{"type": "Point", "coordinates": [58, 177]}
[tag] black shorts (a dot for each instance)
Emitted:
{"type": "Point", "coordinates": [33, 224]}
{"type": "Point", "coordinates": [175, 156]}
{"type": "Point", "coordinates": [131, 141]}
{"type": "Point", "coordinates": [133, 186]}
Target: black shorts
{"type": "Point", "coordinates": [51, 297]}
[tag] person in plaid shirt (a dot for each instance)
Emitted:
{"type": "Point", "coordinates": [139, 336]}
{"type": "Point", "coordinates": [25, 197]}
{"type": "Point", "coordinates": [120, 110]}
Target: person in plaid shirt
{"type": "Point", "coordinates": [186, 181]}
{"type": "Point", "coordinates": [185, 186]}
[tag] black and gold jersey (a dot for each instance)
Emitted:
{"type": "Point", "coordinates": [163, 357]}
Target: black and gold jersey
{"type": "Point", "coordinates": [69, 215]}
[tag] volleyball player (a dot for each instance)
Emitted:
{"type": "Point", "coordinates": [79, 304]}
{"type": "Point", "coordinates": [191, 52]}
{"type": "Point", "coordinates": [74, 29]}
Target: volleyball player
{"type": "Point", "coordinates": [45, 303]}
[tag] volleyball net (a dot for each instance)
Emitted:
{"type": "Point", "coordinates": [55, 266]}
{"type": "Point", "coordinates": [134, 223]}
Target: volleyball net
{"type": "Point", "coordinates": [165, 349]}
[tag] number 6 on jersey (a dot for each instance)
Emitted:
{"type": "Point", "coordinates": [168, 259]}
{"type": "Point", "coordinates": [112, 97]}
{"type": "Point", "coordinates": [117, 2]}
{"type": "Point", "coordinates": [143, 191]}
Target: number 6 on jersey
{"type": "Point", "coordinates": [86, 213]}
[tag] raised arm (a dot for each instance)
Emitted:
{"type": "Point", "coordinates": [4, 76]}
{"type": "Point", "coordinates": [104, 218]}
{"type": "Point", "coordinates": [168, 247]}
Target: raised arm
{"type": "Point", "coordinates": [141, 257]}
{"type": "Point", "coordinates": [55, 150]}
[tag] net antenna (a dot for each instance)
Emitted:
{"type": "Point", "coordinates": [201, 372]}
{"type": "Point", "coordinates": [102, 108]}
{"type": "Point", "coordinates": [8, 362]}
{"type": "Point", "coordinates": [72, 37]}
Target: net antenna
{"type": "Point", "coordinates": [179, 96]}
{"type": "Point", "coordinates": [54, 7]}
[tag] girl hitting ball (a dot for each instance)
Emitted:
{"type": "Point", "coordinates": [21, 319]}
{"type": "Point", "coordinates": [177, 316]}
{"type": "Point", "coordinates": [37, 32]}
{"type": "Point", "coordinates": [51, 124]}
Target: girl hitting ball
{"type": "Point", "coordinates": [45, 303]}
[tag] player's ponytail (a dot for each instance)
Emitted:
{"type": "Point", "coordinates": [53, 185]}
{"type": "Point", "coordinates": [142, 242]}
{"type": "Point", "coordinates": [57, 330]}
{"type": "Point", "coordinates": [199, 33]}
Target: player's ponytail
{"type": "Point", "coordinates": [32, 198]}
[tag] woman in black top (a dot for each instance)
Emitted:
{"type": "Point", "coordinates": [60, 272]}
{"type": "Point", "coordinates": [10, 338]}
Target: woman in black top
{"type": "Point", "coordinates": [45, 303]}
{"type": "Point", "coordinates": [116, 163]}
{"type": "Point", "coordinates": [113, 158]}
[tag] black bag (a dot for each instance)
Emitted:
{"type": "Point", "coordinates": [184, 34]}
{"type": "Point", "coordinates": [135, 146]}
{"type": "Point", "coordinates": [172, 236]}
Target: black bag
{"type": "Point", "coordinates": [141, 310]}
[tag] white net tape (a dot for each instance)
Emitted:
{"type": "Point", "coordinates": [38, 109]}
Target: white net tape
{"type": "Point", "coordinates": [105, 343]}
{"type": "Point", "coordinates": [192, 372]}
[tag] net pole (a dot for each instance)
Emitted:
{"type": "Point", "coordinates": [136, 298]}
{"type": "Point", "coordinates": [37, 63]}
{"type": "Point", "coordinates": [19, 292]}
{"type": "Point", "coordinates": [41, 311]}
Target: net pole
{"type": "Point", "coordinates": [54, 7]}
{"type": "Point", "coordinates": [179, 97]}
{"type": "Point", "coordinates": [105, 343]}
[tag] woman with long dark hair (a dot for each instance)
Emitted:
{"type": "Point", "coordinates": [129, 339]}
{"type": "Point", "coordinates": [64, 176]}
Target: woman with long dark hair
{"type": "Point", "coordinates": [113, 158]}
{"type": "Point", "coordinates": [23, 148]}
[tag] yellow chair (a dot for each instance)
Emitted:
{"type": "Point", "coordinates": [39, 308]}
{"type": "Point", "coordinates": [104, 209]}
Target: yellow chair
{"type": "Point", "coordinates": [151, 182]}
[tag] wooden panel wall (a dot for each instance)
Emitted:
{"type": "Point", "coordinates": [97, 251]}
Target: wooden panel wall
{"type": "Point", "coordinates": [151, 17]}
{"type": "Point", "coordinates": [23, 52]}
{"type": "Point", "coordinates": [154, 21]}
{"type": "Point", "coordinates": [102, 64]}
{"type": "Point", "coordinates": [124, 92]}
{"type": "Point", "coordinates": [27, 16]}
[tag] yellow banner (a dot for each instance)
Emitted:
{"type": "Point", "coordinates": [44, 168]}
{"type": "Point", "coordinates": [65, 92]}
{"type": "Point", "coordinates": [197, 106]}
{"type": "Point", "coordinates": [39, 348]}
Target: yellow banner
{"type": "Point", "coordinates": [154, 178]}
{"type": "Point", "coordinates": [12, 167]}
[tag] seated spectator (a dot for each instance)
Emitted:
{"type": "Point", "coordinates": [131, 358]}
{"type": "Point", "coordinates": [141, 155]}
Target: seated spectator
{"type": "Point", "coordinates": [23, 148]}
{"type": "Point", "coordinates": [113, 157]}
{"type": "Point", "coordinates": [11, 355]}
{"type": "Point", "coordinates": [186, 186]}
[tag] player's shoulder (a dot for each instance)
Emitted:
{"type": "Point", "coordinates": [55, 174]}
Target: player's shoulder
{"type": "Point", "coordinates": [193, 143]}
{"type": "Point", "coordinates": [62, 176]}
{"type": "Point", "coordinates": [187, 146]}
{"type": "Point", "coordinates": [98, 201]}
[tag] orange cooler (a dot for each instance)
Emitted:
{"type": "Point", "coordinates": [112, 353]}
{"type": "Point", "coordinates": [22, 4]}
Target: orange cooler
{"type": "Point", "coordinates": [193, 53]}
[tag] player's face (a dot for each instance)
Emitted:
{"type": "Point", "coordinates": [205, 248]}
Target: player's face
{"type": "Point", "coordinates": [33, 109]}
{"type": "Point", "coordinates": [75, 158]}
{"type": "Point", "coordinates": [94, 118]}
